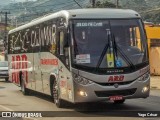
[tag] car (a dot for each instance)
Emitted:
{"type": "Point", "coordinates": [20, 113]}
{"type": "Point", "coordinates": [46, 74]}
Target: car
{"type": "Point", "coordinates": [4, 70]}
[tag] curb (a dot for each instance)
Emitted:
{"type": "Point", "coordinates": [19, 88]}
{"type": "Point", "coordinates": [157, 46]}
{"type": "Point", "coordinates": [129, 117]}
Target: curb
{"type": "Point", "coordinates": [154, 88]}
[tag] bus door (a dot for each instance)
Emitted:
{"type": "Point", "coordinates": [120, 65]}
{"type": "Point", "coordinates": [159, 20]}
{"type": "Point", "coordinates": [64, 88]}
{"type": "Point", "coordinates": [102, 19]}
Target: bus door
{"type": "Point", "coordinates": [36, 67]}
{"type": "Point", "coordinates": [65, 79]}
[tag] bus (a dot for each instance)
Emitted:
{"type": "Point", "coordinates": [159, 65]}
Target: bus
{"type": "Point", "coordinates": [82, 55]}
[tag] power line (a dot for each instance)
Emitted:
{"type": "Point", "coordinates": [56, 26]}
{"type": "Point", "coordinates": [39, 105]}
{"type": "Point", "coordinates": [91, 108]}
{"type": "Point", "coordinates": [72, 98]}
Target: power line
{"type": "Point", "coordinates": [117, 3]}
{"type": "Point", "coordinates": [77, 3]}
{"type": "Point", "coordinates": [40, 14]}
{"type": "Point", "coordinates": [148, 11]}
{"type": "Point", "coordinates": [38, 6]}
{"type": "Point", "coordinates": [93, 2]}
{"type": "Point", "coordinates": [71, 5]}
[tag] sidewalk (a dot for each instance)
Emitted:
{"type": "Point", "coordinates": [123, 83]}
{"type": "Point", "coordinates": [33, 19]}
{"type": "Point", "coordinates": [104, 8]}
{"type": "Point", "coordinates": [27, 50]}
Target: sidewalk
{"type": "Point", "coordinates": [155, 82]}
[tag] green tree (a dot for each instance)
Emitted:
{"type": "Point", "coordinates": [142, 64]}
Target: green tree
{"type": "Point", "coordinates": [104, 4]}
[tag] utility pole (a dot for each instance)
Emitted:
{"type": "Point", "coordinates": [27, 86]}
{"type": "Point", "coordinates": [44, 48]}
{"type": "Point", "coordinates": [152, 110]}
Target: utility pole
{"type": "Point", "coordinates": [5, 33]}
{"type": "Point", "coordinates": [117, 3]}
{"type": "Point", "coordinates": [93, 3]}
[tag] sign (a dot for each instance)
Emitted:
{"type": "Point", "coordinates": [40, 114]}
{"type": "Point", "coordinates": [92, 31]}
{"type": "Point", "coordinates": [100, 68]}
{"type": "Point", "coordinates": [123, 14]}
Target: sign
{"type": "Point", "coordinates": [49, 62]}
{"type": "Point", "coordinates": [110, 60]}
{"type": "Point", "coordinates": [83, 58]}
{"type": "Point", "coordinates": [119, 63]}
{"type": "Point", "coordinates": [89, 24]}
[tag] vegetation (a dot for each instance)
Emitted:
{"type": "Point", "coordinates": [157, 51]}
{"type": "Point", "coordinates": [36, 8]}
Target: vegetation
{"type": "Point", "coordinates": [27, 11]}
{"type": "Point", "coordinates": [149, 9]}
{"type": "Point", "coordinates": [143, 6]}
{"type": "Point", "coordinates": [103, 4]}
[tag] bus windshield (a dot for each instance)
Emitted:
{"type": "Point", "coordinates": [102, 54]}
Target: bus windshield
{"type": "Point", "coordinates": [109, 43]}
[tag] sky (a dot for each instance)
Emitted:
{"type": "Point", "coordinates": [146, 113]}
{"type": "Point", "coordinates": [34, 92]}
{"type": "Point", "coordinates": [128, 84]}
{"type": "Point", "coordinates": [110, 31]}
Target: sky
{"type": "Point", "coordinates": [22, 0]}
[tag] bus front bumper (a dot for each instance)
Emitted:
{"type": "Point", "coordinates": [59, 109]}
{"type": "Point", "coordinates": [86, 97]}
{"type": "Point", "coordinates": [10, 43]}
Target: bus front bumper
{"type": "Point", "coordinates": [96, 92]}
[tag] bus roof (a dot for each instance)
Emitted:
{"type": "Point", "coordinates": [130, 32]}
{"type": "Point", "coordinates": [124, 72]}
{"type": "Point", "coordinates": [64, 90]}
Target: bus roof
{"type": "Point", "coordinates": [89, 13]}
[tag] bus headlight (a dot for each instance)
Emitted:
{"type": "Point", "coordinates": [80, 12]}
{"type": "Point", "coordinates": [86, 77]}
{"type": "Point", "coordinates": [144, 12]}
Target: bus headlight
{"type": "Point", "coordinates": [144, 77]}
{"type": "Point", "coordinates": [145, 89]}
{"type": "Point", "coordinates": [81, 80]}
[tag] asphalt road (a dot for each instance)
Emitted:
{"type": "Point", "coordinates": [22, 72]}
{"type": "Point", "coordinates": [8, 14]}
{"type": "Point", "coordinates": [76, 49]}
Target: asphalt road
{"type": "Point", "coordinates": [11, 99]}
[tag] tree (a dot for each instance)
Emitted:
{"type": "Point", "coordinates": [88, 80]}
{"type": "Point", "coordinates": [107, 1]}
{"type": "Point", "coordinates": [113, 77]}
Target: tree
{"type": "Point", "coordinates": [104, 4]}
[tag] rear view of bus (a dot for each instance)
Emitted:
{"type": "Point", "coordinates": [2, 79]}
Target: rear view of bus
{"type": "Point", "coordinates": [109, 56]}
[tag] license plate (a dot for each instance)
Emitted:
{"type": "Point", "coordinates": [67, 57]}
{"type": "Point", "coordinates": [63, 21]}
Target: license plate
{"type": "Point", "coordinates": [113, 98]}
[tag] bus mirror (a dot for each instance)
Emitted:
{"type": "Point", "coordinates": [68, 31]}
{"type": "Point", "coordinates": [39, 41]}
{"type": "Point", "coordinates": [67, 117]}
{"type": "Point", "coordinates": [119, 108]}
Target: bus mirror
{"type": "Point", "coordinates": [66, 40]}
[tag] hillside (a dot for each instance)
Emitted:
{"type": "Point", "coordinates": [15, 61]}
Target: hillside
{"type": "Point", "coordinates": [30, 10]}
{"type": "Point", "coordinates": [27, 11]}
{"type": "Point", "coordinates": [4, 3]}
{"type": "Point", "coordinates": [149, 9]}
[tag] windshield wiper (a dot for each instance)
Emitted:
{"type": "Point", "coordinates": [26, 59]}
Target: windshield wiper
{"type": "Point", "coordinates": [117, 49]}
{"type": "Point", "coordinates": [104, 52]}
{"type": "Point", "coordinates": [75, 43]}
{"type": "Point", "coordinates": [114, 46]}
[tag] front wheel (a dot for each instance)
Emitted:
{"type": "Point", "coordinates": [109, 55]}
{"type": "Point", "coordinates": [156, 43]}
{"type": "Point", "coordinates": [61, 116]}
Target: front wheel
{"type": "Point", "coordinates": [119, 101]}
{"type": "Point", "coordinates": [56, 97]}
{"type": "Point", "coordinates": [6, 79]}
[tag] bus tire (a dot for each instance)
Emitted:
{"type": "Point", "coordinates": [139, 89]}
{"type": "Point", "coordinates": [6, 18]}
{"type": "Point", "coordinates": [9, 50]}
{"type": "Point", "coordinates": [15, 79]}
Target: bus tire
{"type": "Point", "coordinates": [119, 101]}
{"type": "Point", "coordinates": [23, 86]}
{"type": "Point", "coordinates": [56, 98]}
{"type": "Point", "coordinates": [6, 79]}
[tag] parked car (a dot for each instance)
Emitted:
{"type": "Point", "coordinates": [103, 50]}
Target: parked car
{"type": "Point", "coordinates": [4, 70]}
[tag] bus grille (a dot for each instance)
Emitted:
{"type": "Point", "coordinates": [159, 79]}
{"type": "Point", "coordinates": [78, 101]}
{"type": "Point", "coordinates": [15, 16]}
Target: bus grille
{"type": "Point", "coordinates": [115, 92]}
{"type": "Point", "coordinates": [119, 83]}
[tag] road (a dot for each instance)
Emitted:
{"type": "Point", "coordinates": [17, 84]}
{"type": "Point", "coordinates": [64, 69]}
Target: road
{"type": "Point", "coordinates": [11, 99]}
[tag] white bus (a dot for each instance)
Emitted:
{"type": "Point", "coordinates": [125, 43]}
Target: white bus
{"type": "Point", "coordinates": [82, 55]}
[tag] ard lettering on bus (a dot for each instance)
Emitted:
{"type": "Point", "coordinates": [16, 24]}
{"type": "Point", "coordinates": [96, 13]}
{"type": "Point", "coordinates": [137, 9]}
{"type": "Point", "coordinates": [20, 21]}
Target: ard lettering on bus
{"type": "Point", "coordinates": [18, 65]}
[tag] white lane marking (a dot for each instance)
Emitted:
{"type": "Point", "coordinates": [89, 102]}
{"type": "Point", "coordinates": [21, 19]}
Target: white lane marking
{"type": "Point", "coordinates": [30, 119]}
{"type": "Point", "coordinates": [6, 108]}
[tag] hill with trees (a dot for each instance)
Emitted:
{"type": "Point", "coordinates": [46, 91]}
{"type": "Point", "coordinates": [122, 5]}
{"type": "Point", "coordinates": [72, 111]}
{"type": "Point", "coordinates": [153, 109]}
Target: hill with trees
{"type": "Point", "coordinates": [22, 12]}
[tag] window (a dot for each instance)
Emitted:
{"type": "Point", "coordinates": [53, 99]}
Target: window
{"type": "Point", "coordinates": [61, 36]}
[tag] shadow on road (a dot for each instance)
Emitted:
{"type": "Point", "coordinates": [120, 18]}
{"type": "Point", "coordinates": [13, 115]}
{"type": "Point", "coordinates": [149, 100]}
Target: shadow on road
{"type": "Point", "coordinates": [105, 106]}
{"type": "Point", "coordinates": [2, 87]}
{"type": "Point", "coordinates": [92, 107]}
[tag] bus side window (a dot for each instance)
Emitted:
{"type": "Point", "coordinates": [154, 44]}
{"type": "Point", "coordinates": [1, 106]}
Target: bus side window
{"type": "Point", "coordinates": [63, 50]}
{"type": "Point", "coordinates": [61, 43]}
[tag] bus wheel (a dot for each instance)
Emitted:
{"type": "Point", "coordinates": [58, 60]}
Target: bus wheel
{"type": "Point", "coordinates": [119, 101]}
{"type": "Point", "coordinates": [23, 87]}
{"type": "Point", "coordinates": [58, 102]}
{"type": "Point", "coordinates": [6, 79]}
